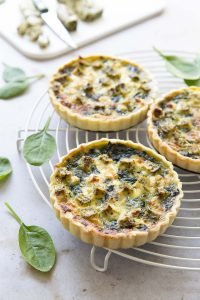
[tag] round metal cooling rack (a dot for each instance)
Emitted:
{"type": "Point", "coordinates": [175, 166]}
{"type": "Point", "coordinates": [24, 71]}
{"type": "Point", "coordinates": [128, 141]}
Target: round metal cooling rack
{"type": "Point", "coordinates": [179, 246]}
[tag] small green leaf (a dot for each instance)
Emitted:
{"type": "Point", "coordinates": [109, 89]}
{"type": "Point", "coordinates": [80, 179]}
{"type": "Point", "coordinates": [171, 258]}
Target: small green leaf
{"type": "Point", "coordinates": [2, 1]}
{"type": "Point", "coordinates": [37, 247]}
{"type": "Point", "coordinates": [17, 82]}
{"type": "Point", "coordinates": [39, 147]}
{"type": "Point", "coordinates": [35, 244]}
{"type": "Point", "coordinates": [192, 82]}
{"type": "Point", "coordinates": [195, 82]}
{"type": "Point", "coordinates": [13, 89]}
{"type": "Point", "coordinates": [12, 74]}
{"type": "Point", "coordinates": [180, 67]}
{"type": "Point", "coordinates": [5, 168]}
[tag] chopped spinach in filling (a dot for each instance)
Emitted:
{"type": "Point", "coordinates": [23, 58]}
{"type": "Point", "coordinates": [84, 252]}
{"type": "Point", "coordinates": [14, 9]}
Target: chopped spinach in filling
{"type": "Point", "coordinates": [116, 187]}
{"type": "Point", "coordinates": [102, 87]}
{"type": "Point", "coordinates": [177, 121]}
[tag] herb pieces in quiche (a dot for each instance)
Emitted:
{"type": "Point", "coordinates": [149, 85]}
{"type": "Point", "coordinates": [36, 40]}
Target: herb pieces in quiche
{"type": "Point", "coordinates": [35, 244]}
{"type": "Point", "coordinates": [124, 175]}
{"type": "Point", "coordinates": [177, 123]}
{"type": "Point", "coordinates": [104, 95]}
{"type": "Point", "coordinates": [172, 192]}
{"type": "Point", "coordinates": [5, 168]}
{"type": "Point", "coordinates": [17, 82]}
{"type": "Point", "coordinates": [118, 151]}
{"type": "Point", "coordinates": [120, 187]}
{"type": "Point", "coordinates": [39, 147]}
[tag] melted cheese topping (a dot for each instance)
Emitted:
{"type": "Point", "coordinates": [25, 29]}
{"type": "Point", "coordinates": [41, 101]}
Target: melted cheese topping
{"type": "Point", "coordinates": [102, 87]}
{"type": "Point", "coordinates": [115, 187]}
{"type": "Point", "coordinates": [177, 121]}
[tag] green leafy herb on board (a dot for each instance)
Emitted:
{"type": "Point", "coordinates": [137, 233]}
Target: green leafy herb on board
{"type": "Point", "coordinates": [35, 244]}
{"type": "Point", "coordinates": [39, 147]}
{"type": "Point", "coordinates": [189, 71]}
{"type": "Point", "coordinates": [17, 82]}
{"type": "Point", "coordinates": [5, 168]}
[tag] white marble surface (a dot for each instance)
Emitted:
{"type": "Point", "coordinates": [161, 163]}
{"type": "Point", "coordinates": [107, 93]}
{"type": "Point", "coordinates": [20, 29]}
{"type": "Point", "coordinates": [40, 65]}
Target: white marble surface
{"type": "Point", "coordinates": [73, 277]}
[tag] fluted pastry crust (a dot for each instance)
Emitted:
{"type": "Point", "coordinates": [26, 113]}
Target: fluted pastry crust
{"type": "Point", "coordinates": [115, 194]}
{"type": "Point", "coordinates": [174, 127]}
{"type": "Point", "coordinates": [102, 93]}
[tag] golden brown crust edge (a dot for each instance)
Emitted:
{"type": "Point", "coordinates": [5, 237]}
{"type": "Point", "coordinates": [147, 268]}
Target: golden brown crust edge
{"type": "Point", "coordinates": [172, 155]}
{"type": "Point", "coordinates": [89, 123]}
{"type": "Point", "coordinates": [120, 240]}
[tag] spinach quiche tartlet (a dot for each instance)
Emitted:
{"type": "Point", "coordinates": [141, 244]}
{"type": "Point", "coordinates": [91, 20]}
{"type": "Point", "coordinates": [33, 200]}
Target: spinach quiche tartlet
{"type": "Point", "coordinates": [174, 127]}
{"type": "Point", "coordinates": [115, 194]}
{"type": "Point", "coordinates": [102, 93]}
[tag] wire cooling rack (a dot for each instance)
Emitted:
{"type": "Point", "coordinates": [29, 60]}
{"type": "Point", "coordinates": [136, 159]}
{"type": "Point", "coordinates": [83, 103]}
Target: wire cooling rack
{"type": "Point", "coordinates": [179, 246]}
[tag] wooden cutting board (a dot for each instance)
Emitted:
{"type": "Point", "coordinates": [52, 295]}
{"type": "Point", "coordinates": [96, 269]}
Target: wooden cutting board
{"type": "Point", "coordinates": [118, 14]}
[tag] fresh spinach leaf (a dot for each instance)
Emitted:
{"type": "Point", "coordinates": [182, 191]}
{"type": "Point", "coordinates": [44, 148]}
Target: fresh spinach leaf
{"type": "Point", "coordinates": [192, 82]}
{"type": "Point", "coordinates": [37, 247]}
{"type": "Point", "coordinates": [16, 82]}
{"type": "Point", "coordinates": [13, 89]}
{"type": "Point", "coordinates": [39, 147]}
{"type": "Point", "coordinates": [35, 244]}
{"type": "Point", "coordinates": [180, 67]}
{"type": "Point", "coordinates": [15, 74]}
{"type": "Point", "coordinates": [11, 74]}
{"type": "Point", "coordinates": [5, 168]}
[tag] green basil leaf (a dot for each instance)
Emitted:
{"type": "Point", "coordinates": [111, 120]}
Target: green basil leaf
{"type": "Point", "coordinates": [5, 168]}
{"type": "Point", "coordinates": [13, 89]}
{"type": "Point", "coordinates": [11, 74]}
{"type": "Point", "coordinates": [39, 147]}
{"type": "Point", "coordinates": [35, 244]}
{"type": "Point", "coordinates": [37, 247]}
{"type": "Point", "coordinates": [180, 67]}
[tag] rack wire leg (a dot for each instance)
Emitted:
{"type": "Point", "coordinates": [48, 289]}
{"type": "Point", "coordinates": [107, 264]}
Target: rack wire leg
{"type": "Point", "coordinates": [19, 140]}
{"type": "Point", "coordinates": [93, 263]}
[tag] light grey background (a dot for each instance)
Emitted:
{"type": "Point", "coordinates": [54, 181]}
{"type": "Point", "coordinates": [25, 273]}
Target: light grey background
{"type": "Point", "coordinates": [73, 278]}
